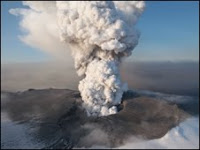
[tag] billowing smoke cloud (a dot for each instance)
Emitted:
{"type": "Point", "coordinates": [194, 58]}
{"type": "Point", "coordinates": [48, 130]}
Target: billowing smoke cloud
{"type": "Point", "coordinates": [99, 35]}
{"type": "Point", "coordinates": [39, 27]}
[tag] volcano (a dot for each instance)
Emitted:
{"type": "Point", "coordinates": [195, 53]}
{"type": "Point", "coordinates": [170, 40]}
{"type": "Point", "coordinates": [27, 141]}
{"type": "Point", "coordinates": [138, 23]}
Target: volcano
{"type": "Point", "coordinates": [56, 118]}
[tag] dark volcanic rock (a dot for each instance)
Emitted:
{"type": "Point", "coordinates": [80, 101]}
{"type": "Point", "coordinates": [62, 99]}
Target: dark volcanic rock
{"type": "Point", "coordinates": [59, 121]}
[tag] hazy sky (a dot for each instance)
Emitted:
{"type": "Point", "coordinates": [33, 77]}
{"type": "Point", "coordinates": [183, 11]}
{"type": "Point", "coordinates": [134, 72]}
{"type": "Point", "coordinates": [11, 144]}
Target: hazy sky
{"type": "Point", "coordinates": [169, 32]}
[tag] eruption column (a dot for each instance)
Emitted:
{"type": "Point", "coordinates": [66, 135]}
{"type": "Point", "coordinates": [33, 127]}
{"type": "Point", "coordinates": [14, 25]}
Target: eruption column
{"type": "Point", "coordinates": [99, 34]}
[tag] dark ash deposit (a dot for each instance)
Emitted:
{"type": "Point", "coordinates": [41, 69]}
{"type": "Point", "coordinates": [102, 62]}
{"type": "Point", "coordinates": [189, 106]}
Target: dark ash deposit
{"type": "Point", "coordinates": [56, 118]}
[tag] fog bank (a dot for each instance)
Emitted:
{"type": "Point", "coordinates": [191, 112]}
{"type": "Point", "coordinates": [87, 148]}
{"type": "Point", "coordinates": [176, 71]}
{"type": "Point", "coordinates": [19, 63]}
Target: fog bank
{"type": "Point", "coordinates": [180, 78]}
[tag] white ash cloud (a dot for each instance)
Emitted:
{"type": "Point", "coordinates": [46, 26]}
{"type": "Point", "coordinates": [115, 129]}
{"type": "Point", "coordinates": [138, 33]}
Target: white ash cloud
{"type": "Point", "coordinates": [39, 27]}
{"type": "Point", "coordinates": [99, 34]}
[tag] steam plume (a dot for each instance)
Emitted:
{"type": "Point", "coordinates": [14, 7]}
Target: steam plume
{"type": "Point", "coordinates": [99, 34]}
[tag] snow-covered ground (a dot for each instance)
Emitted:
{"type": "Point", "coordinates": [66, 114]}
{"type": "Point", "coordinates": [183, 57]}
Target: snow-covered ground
{"type": "Point", "coordinates": [15, 135]}
{"type": "Point", "coordinates": [184, 136]}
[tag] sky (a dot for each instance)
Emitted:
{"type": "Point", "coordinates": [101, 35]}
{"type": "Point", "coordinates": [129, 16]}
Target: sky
{"type": "Point", "coordinates": [169, 32]}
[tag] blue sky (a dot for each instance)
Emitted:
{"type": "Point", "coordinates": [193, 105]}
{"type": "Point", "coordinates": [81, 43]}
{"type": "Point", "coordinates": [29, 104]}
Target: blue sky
{"type": "Point", "coordinates": [169, 32]}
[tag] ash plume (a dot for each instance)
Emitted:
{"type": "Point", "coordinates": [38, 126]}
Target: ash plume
{"type": "Point", "coordinates": [99, 35]}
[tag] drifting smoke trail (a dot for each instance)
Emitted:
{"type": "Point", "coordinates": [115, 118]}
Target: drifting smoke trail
{"type": "Point", "coordinates": [99, 35]}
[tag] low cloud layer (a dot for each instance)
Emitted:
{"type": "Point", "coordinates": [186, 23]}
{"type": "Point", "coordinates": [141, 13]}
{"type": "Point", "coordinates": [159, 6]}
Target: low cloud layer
{"type": "Point", "coordinates": [175, 78]}
{"type": "Point", "coordinates": [180, 78]}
